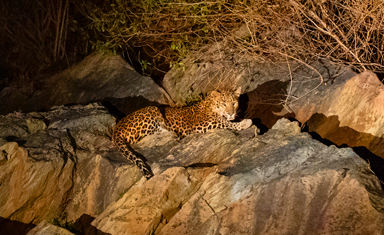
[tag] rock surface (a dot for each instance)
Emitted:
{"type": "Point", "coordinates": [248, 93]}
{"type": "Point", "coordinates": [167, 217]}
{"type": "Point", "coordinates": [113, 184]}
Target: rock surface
{"type": "Point", "coordinates": [282, 182]}
{"type": "Point", "coordinates": [350, 113]}
{"type": "Point", "coordinates": [46, 228]}
{"type": "Point", "coordinates": [61, 165]}
{"type": "Point", "coordinates": [337, 104]}
{"type": "Point", "coordinates": [218, 66]}
{"type": "Point", "coordinates": [97, 78]}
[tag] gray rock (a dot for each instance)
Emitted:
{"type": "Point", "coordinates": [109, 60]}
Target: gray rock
{"type": "Point", "coordinates": [97, 78]}
{"type": "Point", "coordinates": [218, 66]}
{"type": "Point", "coordinates": [333, 101]}
{"type": "Point", "coordinates": [282, 182]}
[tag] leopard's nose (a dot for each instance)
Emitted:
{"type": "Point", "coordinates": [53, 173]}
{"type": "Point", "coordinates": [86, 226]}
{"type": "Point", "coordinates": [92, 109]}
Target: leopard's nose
{"type": "Point", "coordinates": [230, 117]}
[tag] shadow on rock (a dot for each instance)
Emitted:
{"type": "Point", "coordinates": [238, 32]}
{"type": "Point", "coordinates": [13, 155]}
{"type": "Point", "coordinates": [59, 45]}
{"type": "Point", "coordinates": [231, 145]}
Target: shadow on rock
{"type": "Point", "coordinates": [327, 130]}
{"type": "Point", "coordinates": [264, 101]}
{"type": "Point", "coordinates": [83, 226]}
{"type": "Point", "coordinates": [14, 227]}
{"type": "Point", "coordinates": [124, 106]}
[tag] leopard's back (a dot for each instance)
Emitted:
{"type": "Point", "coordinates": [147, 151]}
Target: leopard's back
{"type": "Point", "coordinates": [137, 125]}
{"type": "Point", "coordinates": [186, 120]}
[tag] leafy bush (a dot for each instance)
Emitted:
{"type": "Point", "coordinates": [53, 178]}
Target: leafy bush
{"type": "Point", "coordinates": [168, 29]}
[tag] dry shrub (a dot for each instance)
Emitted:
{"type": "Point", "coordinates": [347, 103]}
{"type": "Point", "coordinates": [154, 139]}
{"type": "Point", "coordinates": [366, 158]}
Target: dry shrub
{"type": "Point", "coordinates": [35, 33]}
{"type": "Point", "coordinates": [348, 31]}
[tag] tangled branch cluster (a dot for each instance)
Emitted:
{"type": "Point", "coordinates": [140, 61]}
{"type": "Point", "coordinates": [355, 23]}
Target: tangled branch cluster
{"type": "Point", "coordinates": [343, 31]}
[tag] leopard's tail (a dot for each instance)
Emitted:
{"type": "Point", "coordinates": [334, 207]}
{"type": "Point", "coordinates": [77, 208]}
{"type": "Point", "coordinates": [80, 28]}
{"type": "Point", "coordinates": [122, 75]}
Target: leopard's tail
{"type": "Point", "coordinates": [143, 166]}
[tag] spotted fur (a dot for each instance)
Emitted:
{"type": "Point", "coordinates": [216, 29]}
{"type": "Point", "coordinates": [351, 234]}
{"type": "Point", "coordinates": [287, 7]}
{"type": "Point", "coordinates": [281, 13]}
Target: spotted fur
{"type": "Point", "coordinates": [214, 112]}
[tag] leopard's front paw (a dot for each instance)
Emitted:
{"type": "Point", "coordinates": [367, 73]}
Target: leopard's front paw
{"type": "Point", "coordinates": [245, 124]}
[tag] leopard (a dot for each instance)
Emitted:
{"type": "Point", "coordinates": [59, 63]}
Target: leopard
{"type": "Point", "coordinates": [216, 111]}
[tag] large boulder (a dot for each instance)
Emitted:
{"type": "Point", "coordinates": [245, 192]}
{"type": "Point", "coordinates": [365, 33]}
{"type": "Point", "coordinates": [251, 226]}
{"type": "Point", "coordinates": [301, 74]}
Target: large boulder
{"type": "Point", "coordinates": [99, 77]}
{"type": "Point", "coordinates": [220, 65]}
{"type": "Point", "coordinates": [350, 113]}
{"type": "Point", "coordinates": [60, 164]}
{"type": "Point", "coordinates": [335, 102]}
{"type": "Point", "coordinates": [282, 182]}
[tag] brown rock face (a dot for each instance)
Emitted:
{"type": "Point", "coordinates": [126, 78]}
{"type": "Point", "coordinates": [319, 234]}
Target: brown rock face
{"type": "Point", "coordinates": [62, 169]}
{"type": "Point", "coordinates": [353, 114]}
{"type": "Point", "coordinates": [315, 204]}
{"type": "Point", "coordinates": [32, 190]}
{"type": "Point", "coordinates": [148, 206]}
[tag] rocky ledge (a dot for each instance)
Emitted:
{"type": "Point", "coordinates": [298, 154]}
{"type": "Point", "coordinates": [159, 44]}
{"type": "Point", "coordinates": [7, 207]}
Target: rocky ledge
{"type": "Point", "coordinates": [61, 166]}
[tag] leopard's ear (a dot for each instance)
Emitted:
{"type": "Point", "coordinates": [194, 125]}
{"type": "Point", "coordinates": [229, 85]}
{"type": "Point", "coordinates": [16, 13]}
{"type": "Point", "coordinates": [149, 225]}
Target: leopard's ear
{"type": "Point", "coordinates": [214, 94]}
{"type": "Point", "coordinates": [237, 92]}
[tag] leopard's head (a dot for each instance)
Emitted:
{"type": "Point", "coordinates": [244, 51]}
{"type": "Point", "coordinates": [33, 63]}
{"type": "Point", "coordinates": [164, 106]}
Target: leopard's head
{"type": "Point", "coordinates": [225, 103]}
